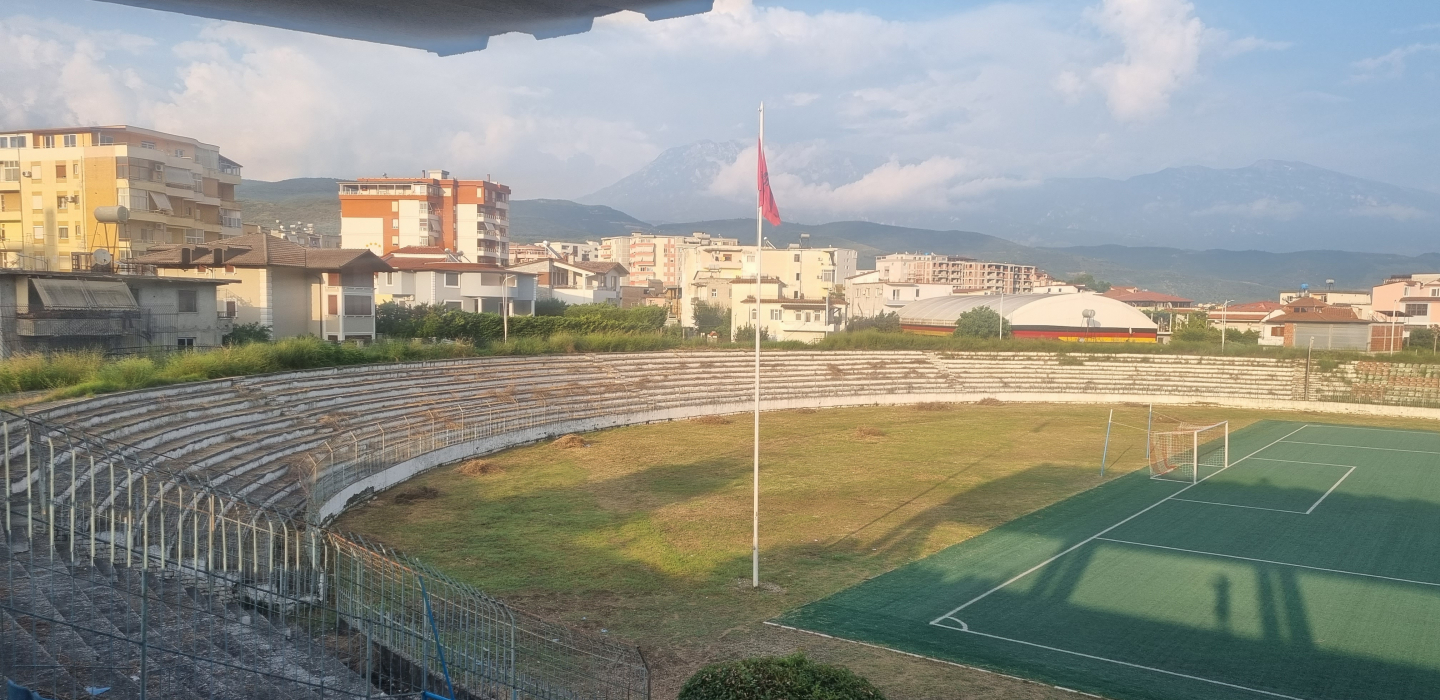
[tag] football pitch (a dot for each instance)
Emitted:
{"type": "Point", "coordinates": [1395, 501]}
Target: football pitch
{"type": "Point", "coordinates": [1308, 569]}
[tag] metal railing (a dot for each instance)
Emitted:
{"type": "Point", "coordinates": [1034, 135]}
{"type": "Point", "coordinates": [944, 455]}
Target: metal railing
{"type": "Point", "coordinates": [124, 569]}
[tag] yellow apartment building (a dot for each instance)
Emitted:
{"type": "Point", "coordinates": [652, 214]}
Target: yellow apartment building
{"type": "Point", "coordinates": [176, 190]}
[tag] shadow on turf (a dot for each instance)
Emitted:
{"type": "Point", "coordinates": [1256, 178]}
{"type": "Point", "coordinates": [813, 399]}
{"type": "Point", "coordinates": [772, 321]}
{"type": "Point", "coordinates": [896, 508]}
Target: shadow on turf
{"type": "Point", "coordinates": [1282, 654]}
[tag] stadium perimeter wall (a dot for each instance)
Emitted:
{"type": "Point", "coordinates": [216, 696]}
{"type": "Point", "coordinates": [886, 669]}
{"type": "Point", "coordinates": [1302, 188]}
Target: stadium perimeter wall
{"type": "Point", "coordinates": [628, 389]}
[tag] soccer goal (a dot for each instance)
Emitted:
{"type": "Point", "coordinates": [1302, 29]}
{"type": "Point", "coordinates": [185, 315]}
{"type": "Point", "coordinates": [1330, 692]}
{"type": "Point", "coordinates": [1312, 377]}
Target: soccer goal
{"type": "Point", "coordinates": [1190, 453]}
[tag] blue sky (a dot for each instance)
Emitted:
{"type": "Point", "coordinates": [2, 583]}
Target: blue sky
{"type": "Point", "coordinates": [958, 97]}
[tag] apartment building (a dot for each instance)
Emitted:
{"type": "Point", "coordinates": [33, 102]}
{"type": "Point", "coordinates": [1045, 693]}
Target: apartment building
{"type": "Point", "coordinates": [655, 257]}
{"type": "Point", "coordinates": [174, 190]}
{"type": "Point", "coordinates": [576, 282]}
{"type": "Point", "coordinates": [470, 217]}
{"type": "Point", "coordinates": [957, 270]}
{"type": "Point", "coordinates": [808, 273]}
{"type": "Point", "coordinates": [554, 250]}
{"type": "Point", "coordinates": [1411, 300]}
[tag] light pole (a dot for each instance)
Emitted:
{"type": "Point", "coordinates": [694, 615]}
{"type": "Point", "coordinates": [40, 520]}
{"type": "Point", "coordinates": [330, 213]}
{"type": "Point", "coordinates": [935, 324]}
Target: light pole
{"type": "Point", "coordinates": [1224, 311]}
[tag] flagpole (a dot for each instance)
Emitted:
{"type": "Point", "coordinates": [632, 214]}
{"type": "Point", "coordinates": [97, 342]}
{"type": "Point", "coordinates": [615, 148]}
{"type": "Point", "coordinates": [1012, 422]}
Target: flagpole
{"type": "Point", "coordinates": [759, 257]}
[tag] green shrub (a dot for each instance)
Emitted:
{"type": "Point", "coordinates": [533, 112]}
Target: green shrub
{"type": "Point", "coordinates": [247, 333]}
{"type": "Point", "coordinates": [792, 677]}
{"type": "Point", "coordinates": [550, 307]}
{"type": "Point", "coordinates": [981, 322]}
{"type": "Point", "coordinates": [888, 322]}
{"type": "Point", "coordinates": [712, 319]}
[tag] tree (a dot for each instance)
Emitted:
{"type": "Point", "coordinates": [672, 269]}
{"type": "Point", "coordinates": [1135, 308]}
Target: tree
{"type": "Point", "coordinates": [888, 321]}
{"type": "Point", "coordinates": [746, 333]}
{"type": "Point", "coordinates": [1195, 328]}
{"type": "Point", "coordinates": [981, 322]}
{"type": "Point", "coordinates": [1422, 338]}
{"type": "Point", "coordinates": [710, 318]}
{"type": "Point", "coordinates": [1088, 281]}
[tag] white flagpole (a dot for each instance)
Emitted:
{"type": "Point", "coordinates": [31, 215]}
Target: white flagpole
{"type": "Point", "coordinates": [759, 256]}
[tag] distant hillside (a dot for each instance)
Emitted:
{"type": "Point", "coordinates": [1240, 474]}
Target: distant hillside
{"type": "Point", "coordinates": [309, 199]}
{"type": "Point", "coordinates": [533, 220]}
{"type": "Point", "coordinates": [1269, 205]}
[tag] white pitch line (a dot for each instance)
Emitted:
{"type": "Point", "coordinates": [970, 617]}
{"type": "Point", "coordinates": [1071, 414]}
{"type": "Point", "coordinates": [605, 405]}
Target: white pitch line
{"type": "Point", "coordinates": [1093, 537]}
{"type": "Point", "coordinates": [1235, 505]}
{"type": "Point", "coordinates": [1177, 674]}
{"type": "Point", "coordinates": [1332, 489]}
{"type": "Point", "coordinates": [1268, 561]}
{"type": "Point", "coordinates": [1326, 426]}
{"type": "Point", "coordinates": [1361, 447]}
{"type": "Point", "coordinates": [1296, 461]}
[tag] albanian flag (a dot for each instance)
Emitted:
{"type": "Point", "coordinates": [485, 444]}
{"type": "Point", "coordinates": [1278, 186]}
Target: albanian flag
{"type": "Point", "coordinates": [767, 198]}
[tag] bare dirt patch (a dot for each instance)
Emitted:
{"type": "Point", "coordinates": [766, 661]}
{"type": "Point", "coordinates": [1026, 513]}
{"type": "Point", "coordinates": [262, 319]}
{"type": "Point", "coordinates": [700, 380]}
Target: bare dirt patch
{"type": "Point", "coordinates": [990, 401]}
{"type": "Point", "coordinates": [419, 493]}
{"type": "Point", "coordinates": [934, 406]}
{"type": "Point", "coordinates": [570, 442]}
{"type": "Point", "coordinates": [712, 420]}
{"type": "Point", "coordinates": [479, 467]}
{"type": "Point", "coordinates": [869, 432]}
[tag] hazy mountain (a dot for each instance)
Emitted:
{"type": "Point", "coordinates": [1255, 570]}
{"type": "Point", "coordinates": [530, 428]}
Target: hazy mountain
{"type": "Point", "coordinates": [313, 200]}
{"type": "Point", "coordinates": [533, 220]}
{"type": "Point", "coordinates": [1271, 205]}
{"type": "Point", "coordinates": [677, 185]}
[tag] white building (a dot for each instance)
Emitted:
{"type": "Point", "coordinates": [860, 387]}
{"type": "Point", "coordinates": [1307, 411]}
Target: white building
{"type": "Point", "coordinates": [808, 273]}
{"type": "Point", "coordinates": [654, 256]}
{"type": "Point", "coordinates": [576, 282]}
{"type": "Point", "coordinates": [781, 316]}
{"type": "Point", "coordinates": [958, 270]}
{"type": "Point", "coordinates": [434, 277]}
{"type": "Point", "coordinates": [868, 295]}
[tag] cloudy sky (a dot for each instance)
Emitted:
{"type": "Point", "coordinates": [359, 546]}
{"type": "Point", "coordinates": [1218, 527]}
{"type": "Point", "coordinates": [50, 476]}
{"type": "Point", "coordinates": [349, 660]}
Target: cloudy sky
{"type": "Point", "coordinates": [952, 92]}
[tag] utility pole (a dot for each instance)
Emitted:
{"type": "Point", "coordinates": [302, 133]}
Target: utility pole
{"type": "Point", "coordinates": [1224, 312]}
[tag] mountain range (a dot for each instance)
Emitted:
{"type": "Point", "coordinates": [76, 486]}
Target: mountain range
{"type": "Point", "coordinates": [1211, 274]}
{"type": "Point", "coordinates": [1271, 205]}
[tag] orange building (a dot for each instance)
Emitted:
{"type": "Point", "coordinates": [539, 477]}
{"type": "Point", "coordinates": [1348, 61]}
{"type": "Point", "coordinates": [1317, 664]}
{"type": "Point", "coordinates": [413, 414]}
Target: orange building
{"type": "Point", "coordinates": [470, 217]}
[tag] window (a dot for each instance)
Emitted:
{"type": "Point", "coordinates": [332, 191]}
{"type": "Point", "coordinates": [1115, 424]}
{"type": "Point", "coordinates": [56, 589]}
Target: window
{"type": "Point", "coordinates": [797, 316]}
{"type": "Point", "coordinates": [797, 294]}
{"type": "Point", "coordinates": [39, 233]}
{"type": "Point", "coordinates": [895, 294]}
{"type": "Point", "coordinates": [62, 202]}
{"type": "Point", "coordinates": [194, 235]}
{"type": "Point", "coordinates": [179, 153]}
{"type": "Point", "coordinates": [13, 141]}
{"type": "Point", "coordinates": [71, 140]}
{"type": "Point", "coordinates": [64, 232]}
{"type": "Point", "coordinates": [775, 314]}
{"type": "Point", "coordinates": [232, 308]}
{"type": "Point", "coordinates": [1417, 309]}
{"type": "Point", "coordinates": [10, 170]}
{"type": "Point", "coordinates": [332, 279]}
{"type": "Point", "coordinates": [389, 279]}
{"type": "Point", "coordinates": [48, 140]}
{"type": "Point", "coordinates": [1435, 292]}
{"type": "Point", "coordinates": [452, 305]}
{"type": "Point", "coordinates": [754, 314]}
{"type": "Point", "coordinates": [185, 343]}
{"type": "Point", "coordinates": [797, 277]}
{"type": "Point", "coordinates": [452, 279]}
{"type": "Point", "coordinates": [59, 171]}
{"type": "Point", "coordinates": [714, 293]}
{"type": "Point", "coordinates": [188, 303]}
{"type": "Point", "coordinates": [1277, 331]}
{"type": "Point", "coordinates": [797, 257]}
{"type": "Point", "coordinates": [103, 139]}
{"type": "Point", "coordinates": [37, 202]}
{"type": "Point", "coordinates": [148, 144]}
{"type": "Point", "coordinates": [358, 305]}
{"type": "Point", "coordinates": [394, 223]}
{"type": "Point", "coordinates": [35, 173]}
{"type": "Point", "coordinates": [332, 304]}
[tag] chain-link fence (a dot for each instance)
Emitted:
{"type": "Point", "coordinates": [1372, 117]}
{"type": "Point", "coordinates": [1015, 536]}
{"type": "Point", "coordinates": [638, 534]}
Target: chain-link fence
{"type": "Point", "coordinates": [123, 570]}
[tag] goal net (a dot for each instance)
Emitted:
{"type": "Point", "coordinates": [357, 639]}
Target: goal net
{"type": "Point", "coordinates": [1190, 452]}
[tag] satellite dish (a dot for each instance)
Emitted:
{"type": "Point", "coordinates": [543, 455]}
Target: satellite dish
{"type": "Point", "coordinates": [101, 256]}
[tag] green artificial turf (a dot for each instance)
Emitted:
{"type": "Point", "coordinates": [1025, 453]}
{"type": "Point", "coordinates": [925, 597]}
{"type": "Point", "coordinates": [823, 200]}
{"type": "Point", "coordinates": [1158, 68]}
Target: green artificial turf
{"type": "Point", "coordinates": [1307, 569]}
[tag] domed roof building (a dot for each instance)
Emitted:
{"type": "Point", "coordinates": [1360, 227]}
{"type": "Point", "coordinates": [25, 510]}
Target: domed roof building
{"type": "Point", "coordinates": [1048, 316]}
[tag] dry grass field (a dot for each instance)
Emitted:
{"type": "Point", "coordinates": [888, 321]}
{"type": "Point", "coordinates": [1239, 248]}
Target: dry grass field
{"type": "Point", "coordinates": [643, 532]}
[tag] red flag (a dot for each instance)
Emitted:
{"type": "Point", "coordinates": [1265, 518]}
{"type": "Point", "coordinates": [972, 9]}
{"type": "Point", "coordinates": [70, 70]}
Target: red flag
{"type": "Point", "coordinates": [767, 198]}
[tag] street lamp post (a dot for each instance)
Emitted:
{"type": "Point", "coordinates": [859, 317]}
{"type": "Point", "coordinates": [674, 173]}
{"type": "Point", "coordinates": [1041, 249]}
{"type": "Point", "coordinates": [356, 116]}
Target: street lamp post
{"type": "Point", "coordinates": [1224, 312]}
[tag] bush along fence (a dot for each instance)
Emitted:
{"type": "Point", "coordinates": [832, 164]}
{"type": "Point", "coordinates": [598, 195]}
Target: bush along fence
{"type": "Point", "coordinates": [425, 321]}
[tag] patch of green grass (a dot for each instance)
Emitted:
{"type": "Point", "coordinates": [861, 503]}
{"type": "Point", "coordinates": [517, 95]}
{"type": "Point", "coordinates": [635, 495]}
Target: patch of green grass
{"type": "Point", "coordinates": [647, 532]}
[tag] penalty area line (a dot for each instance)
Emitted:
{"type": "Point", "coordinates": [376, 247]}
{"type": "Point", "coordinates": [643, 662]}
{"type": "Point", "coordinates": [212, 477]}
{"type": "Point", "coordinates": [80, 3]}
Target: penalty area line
{"type": "Point", "coordinates": [1271, 561]}
{"type": "Point", "coordinates": [966, 629]}
{"type": "Point", "coordinates": [1097, 535]}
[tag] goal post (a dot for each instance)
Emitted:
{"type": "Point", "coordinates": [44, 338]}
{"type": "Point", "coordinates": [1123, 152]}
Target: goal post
{"type": "Point", "coordinates": [1189, 453]}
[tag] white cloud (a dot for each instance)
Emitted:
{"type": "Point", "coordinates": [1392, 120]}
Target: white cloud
{"type": "Point", "coordinates": [1229, 48]}
{"type": "Point", "coordinates": [1391, 65]}
{"type": "Point", "coordinates": [801, 99]}
{"type": "Point", "coordinates": [1162, 40]}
